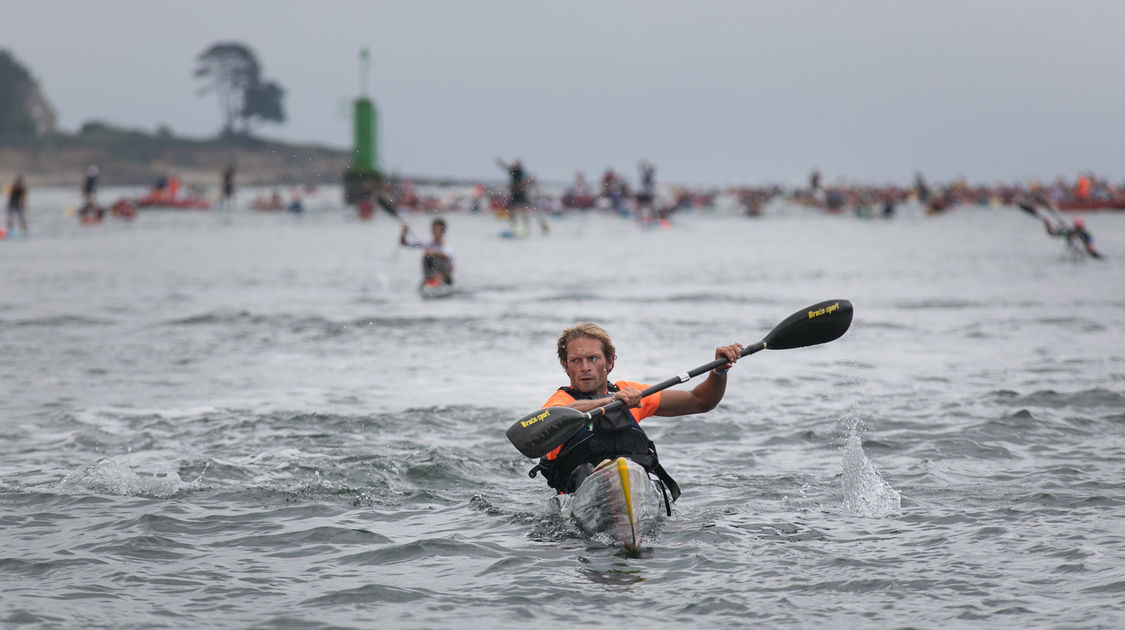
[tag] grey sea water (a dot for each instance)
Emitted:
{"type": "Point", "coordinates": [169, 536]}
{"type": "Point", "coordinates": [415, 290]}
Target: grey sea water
{"type": "Point", "coordinates": [237, 419]}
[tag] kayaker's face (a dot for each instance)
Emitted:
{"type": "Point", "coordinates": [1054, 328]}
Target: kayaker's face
{"type": "Point", "coordinates": [587, 365]}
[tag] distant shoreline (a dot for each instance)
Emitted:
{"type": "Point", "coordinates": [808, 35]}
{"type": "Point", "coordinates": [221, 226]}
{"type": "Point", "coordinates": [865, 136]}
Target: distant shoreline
{"type": "Point", "coordinates": [63, 162]}
{"type": "Point", "coordinates": [54, 164]}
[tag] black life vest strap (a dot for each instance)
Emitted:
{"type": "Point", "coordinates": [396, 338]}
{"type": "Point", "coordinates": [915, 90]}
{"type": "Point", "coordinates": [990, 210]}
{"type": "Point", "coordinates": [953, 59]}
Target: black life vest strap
{"type": "Point", "coordinates": [577, 395]}
{"type": "Point", "coordinates": [670, 484]}
{"type": "Point", "coordinates": [664, 495]}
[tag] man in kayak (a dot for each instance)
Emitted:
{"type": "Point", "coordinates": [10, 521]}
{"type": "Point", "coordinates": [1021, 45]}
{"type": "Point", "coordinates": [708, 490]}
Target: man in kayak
{"type": "Point", "coordinates": [227, 196]}
{"type": "Point", "coordinates": [588, 356]}
{"type": "Point", "coordinates": [1078, 239]}
{"type": "Point", "coordinates": [17, 205]}
{"type": "Point", "coordinates": [1076, 236]}
{"type": "Point", "coordinates": [646, 195]}
{"type": "Point", "coordinates": [90, 186]}
{"type": "Point", "coordinates": [437, 259]}
{"type": "Point", "coordinates": [519, 197]}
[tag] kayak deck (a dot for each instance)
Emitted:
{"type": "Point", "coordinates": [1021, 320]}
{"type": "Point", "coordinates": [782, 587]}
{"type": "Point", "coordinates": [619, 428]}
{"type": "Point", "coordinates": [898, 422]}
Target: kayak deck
{"type": "Point", "coordinates": [618, 499]}
{"type": "Point", "coordinates": [431, 289]}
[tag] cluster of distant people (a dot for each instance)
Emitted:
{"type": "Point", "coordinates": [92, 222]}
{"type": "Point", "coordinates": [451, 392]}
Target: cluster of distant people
{"type": "Point", "coordinates": [645, 201]}
{"type": "Point", "coordinates": [523, 199]}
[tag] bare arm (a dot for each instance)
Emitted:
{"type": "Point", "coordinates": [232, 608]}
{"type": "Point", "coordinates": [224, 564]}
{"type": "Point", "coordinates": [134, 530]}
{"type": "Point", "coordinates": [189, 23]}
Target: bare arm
{"type": "Point", "coordinates": [705, 396]}
{"type": "Point", "coordinates": [585, 405]}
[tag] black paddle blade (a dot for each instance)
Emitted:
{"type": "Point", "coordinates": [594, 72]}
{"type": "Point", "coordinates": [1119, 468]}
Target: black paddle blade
{"type": "Point", "coordinates": [1028, 208]}
{"type": "Point", "coordinates": [820, 323]}
{"type": "Point", "coordinates": [539, 432]}
{"type": "Point", "coordinates": [387, 206]}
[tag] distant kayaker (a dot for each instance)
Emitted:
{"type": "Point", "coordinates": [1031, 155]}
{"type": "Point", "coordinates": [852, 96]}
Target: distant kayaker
{"type": "Point", "coordinates": [437, 259]}
{"type": "Point", "coordinates": [519, 196]}
{"type": "Point", "coordinates": [1076, 235]}
{"type": "Point", "coordinates": [588, 356]}
{"type": "Point", "coordinates": [1078, 238]}
{"type": "Point", "coordinates": [17, 205]}
{"type": "Point", "coordinates": [159, 188]}
{"type": "Point", "coordinates": [646, 194]}
{"type": "Point", "coordinates": [90, 185]}
{"type": "Point", "coordinates": [228, 187]}
{"type": "Point", "coordinates": [921, 189]}
{"type": "Point", "coordinates": [90, 213]}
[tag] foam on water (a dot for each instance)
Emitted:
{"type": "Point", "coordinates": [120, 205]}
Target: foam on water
{"type": "Point", "coordinates": [866, 492]}
{"type": "Point", "coordinates": [110, 476]}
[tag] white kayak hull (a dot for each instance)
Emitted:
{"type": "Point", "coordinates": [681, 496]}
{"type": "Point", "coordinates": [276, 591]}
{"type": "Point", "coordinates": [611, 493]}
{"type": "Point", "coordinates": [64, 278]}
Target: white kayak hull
{"type": "Point", "coordinates": [619, 500]}
{"type": "Point", "coordinates": [430, 291]}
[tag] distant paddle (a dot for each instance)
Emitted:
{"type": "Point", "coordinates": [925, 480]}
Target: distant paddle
{"type": "Point", "coordinates": [1050, 206]}
{"type": "Point", "coordinates": [539, 432]}
{"type": "Point", "coordinates": [389, 207]}
{"type": "Point", "coordinates": [386, 204]}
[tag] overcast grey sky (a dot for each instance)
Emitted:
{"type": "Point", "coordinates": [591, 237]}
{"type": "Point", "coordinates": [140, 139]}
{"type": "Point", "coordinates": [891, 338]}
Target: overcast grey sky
{"type": "Point", "coordinates": [712, 92]}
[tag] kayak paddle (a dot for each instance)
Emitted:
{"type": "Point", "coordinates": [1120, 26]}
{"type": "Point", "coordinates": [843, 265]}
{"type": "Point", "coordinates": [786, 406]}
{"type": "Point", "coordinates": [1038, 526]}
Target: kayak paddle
{"type": "Point", "coordinates": [386, 204]}
{"type": "Point", "coordinates": [539, 432]}
{"type": "Point", "coordinates": [1050, 206]}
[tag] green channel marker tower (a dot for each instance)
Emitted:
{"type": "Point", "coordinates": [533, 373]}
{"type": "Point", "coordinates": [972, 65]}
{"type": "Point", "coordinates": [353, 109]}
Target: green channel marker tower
{"type": "Point", "coordinates": [362, 178]}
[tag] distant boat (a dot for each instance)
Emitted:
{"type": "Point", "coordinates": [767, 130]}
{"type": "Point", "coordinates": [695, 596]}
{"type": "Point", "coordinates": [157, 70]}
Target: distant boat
{"type": "Point", "coordinates": [164, 201]}
{"type": "Point", "coordinates": [1084, 205]}
{"type": "Point", "coordinates": [124, 209]}
{"type": "Point", "coordinates": [91, 214]}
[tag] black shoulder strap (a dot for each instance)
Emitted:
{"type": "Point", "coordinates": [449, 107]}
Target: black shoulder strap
{"type": "Point", "coordinates": [577, 395]}
{"type": "Point", "coordinates": [663, 476]}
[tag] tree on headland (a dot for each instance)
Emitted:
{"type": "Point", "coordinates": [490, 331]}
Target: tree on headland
{"type": "Point", "coordinates": [231, 70]}
{"type": "Point", "coordinates": [24, 111]}
{"type": "Point", "coordinates": [264, 101]}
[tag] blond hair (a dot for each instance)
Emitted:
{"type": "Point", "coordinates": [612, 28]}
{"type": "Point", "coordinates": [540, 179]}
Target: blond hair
{"type": "Point", "coordinates": [586, 329]}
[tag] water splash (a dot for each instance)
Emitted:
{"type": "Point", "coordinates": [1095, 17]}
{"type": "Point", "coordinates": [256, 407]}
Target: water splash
{"type": "Point", "coordinates": [107, 476]}
{"type": "Point", "coordinates": [866, 492]}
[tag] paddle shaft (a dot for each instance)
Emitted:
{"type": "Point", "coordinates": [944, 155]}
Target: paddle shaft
{"type": "Point", "coordinates": [390, 208]}
{"type": "Point", "coordinates": [683, 377]}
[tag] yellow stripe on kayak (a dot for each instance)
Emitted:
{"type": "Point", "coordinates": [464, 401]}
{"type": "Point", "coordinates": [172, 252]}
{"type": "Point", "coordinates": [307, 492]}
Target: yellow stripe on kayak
{"type": "Point", "coordinates": [627, 494]}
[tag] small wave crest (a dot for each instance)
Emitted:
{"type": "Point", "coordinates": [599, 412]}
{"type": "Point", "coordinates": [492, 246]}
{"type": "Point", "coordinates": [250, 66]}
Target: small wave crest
{"type": "Point", "coordinates": [107, 476]}
{"type": "Point", "coordinates": [59, 321]}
